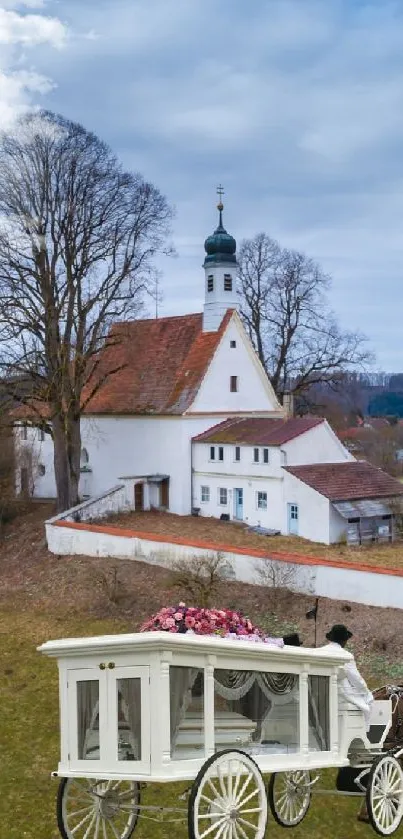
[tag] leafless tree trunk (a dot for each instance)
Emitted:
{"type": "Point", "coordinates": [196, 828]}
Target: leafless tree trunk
{"type": "Point", "coordinates": [285, 310]}
{"type": "Point", "coordinates": [77, 240]}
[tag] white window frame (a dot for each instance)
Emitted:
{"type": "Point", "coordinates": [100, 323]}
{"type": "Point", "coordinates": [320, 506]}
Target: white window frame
{"type": "Point", "coordinates": [261, 492]}
{"type": "Point", "coordinates": [210, 283]}
{"type": "Point", "coordinates": [41, 434]}
{"type": "Point", "coordinates": [266, 456]}
{"type": "Point", "coordinates": [221, 454]}
{"type": "Point", "coordinates": [212, 453]}
{"type": "Point", "coordinates": [234, 380]}
{"type": "Point", "coordinates": [232, 344]}
{"type": "Point", "coordinates": [229, 281]}
{"type": "Point", "coordinates": [222, 503]}
{"type": "Point", "coordinates": [256, 455]}
{"type": "Point", "coordinates": [237, 450]}
{"type": "Point", "coordinates": [204, 490]}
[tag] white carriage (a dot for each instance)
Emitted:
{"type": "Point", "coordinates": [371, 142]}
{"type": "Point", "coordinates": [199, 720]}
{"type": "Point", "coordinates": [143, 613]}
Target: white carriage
{"type": "Point", "coordinates": [158, 707]}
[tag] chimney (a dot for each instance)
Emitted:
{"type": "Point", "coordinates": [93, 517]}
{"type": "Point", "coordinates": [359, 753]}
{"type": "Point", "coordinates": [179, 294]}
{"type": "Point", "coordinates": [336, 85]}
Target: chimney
{"type": "Point", "coordinates": [288, 404]}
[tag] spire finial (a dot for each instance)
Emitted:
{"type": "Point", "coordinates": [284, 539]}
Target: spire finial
{"type": "Point", "coordinates": [220, 205]}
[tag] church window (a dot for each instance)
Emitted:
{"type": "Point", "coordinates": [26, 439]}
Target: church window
{"type": "Point", "coordinates": [233, 385]}
{"type": "Point", "coordinates": [205, 494]}
{"type": "Point", "coordinates": [237, 453]}
{"type": "Point", "coordinates": [41, 469]}
{"type": "Point", "coordinates": [256, 455]}
{"type": "Point", "coordinates": [84, 458]}
{"type": "Point", "coordinates": [212, 452]}
{"type": "Point", "coordinates": [221, 452]}
{"type": "Point", "coordinates": [210, 282]}
{"type": "Point", "coordinates": [265, 455]}
{"type": "Point", "coordinates": [232, 344]}
{"type": "Point", "coordinates": [227, 282]}
{"type": "Point", "coordinates": [41, 435]}
{"type": "Point", "coordinates": [223, 496]}
{"type": "Point", "coordinates": [24, 432]}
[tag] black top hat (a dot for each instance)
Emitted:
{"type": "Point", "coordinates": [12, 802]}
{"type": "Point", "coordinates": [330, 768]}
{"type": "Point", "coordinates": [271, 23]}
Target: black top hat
{"type": "Point", "coordinates": [339, 634]}
{"type": "Point", "coordinates": [292, 640]}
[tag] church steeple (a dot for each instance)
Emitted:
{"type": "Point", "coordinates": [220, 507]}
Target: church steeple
{"type": "Point", "coordinates": [220, 273]}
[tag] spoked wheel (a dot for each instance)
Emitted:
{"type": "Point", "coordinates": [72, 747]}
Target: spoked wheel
{"type": "Point", "coordinates": [289, 796]}
{"type": "Point", "coordinates": [97, 809]}
{"type": "Point", "coordinates": [384, 796]}
{"type": "Point", "coordinates": [228, 799]}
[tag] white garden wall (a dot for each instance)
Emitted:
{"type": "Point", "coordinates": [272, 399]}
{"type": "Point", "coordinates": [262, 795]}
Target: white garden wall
{"type": "Point", "coordinates": [307, 575]}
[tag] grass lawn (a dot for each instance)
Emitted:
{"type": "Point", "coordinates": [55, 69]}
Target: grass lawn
{"type": "Point", "coordinates": [29, 735]}
{"type": "Point", "coordinates": [229, 533]}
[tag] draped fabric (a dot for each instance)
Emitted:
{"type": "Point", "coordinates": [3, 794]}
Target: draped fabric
{"type": "Point", "coordinates": [130, 692]}
{"type": "Point", "coordinates": [88, 719]}
{"type": "Point", "coordinates": [318, 712]}
{"type": "Point", "coordinates": [234, 684]}
{"type": "Point", "coordinates": [182, 680]}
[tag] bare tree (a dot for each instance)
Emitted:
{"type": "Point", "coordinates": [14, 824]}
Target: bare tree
{"type": "Point", "coordinates": [284, 307]}
{"type": "Point", "coordinates": [77, 238]}
{"type": "Point", "coordinates": [201, 578]}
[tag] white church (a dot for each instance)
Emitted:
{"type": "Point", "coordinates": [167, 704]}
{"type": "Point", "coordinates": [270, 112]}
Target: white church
{"type": "Point", "coordinates": [191, 423]}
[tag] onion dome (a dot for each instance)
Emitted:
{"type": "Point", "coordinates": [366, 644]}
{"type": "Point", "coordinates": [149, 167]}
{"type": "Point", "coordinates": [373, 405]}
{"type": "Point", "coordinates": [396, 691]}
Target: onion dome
{"type": "Point", "coordinates": [220, 246]}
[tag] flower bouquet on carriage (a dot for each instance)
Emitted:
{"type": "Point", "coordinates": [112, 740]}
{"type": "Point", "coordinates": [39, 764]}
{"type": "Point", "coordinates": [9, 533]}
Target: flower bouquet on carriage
{"type": "Point", "coordinates": [225, 623]}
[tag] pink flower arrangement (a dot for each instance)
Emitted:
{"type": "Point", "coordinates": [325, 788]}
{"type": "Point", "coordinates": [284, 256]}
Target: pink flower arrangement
{"type": "Point", "coordinates": [201, 621]}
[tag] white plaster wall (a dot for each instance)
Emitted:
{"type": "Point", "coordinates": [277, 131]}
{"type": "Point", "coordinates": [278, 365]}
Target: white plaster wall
{"type": "Point", "coordinates": [337, 525]}
{"type": "Point", "coordinates": [254, 390]}
{"type": "Point", "coordinates": [251, 514]}
{"type": "Point", "coordinates": [135, 446]}
{"type": "Point", "coordinates": [319, 445]}
{"type": "Point", "coordinates": [245, 467]}
{"type": "Point", "coordinates": [313, 510]}
{"type": "Point", "coordinates": [218, 301]}
{"type": "Point", "coordinates": [336, 583]}
{"type": "Point", "coordinates": [40, 453]}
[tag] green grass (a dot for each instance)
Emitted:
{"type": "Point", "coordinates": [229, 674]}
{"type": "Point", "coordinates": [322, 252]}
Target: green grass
{"type": "Point", "coordinates": [29, 742]}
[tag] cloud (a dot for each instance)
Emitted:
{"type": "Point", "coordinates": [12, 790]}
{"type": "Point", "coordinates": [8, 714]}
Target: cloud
{"type": "Point", "coordinates": [21, 33]}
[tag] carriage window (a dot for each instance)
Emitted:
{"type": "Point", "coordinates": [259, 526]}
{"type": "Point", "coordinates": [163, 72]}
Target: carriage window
{"type": "Point", "coordinates": [88, 720]}
{"type": "Point", "coordinates": [319, 727]}
{"type": "Point", "coordinates": [186, 689]}
{"type": "Point", "coordinates": [129, 719]}
{"type": "Point", "coordinates": [256, 712]}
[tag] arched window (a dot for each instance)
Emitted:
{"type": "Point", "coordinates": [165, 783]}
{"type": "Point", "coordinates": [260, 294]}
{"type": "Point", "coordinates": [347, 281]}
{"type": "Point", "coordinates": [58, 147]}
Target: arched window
{"type": "Point", "coordinates": [84, 458]}
{"type": "Point", "coordinates": [41, 470]}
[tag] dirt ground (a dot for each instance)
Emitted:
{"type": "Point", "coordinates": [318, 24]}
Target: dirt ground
{"type": "Point", "coordinates": [34, 581]}
{"type": "Point", "coordinates": [232, 533]}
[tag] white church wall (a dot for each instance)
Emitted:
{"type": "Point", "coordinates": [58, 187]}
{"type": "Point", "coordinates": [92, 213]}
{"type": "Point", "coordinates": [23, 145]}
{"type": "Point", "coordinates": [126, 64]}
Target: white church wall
{"type": "Point", "coordinates": [319, 445]}
{"type": "Point", "coordinates": [254, 393]}
{"type": "Point", "coordinates": [36, 455]}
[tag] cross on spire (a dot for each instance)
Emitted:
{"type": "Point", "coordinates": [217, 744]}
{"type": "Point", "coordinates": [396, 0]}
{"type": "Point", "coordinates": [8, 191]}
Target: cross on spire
{"type": "Point", "coordinates": [220, 205]}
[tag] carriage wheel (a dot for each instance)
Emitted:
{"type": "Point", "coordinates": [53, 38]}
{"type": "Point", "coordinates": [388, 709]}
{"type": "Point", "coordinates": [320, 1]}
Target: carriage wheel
{"type": "Point", "coordinates": [289, 796]}
{"type": "Point", "coordinates": [97, 809]}
{"type": "Point", "coordinates": [384, 796]}
{"type": "Point", "coordinates": [228, 799]}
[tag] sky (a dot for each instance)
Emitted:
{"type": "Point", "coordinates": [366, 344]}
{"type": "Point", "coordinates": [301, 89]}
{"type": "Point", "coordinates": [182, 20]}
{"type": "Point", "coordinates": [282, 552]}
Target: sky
{"type": "Point", "coordinates": [295, 106]}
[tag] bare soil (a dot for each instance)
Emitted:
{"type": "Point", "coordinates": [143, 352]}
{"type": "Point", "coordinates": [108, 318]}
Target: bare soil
{"type": "Point", "coordinates": [237, 534]}
{"type": "Point", "coordinates": [38, 583]}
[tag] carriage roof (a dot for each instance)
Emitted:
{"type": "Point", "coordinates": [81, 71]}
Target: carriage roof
{"type": "Point", "coordinates": [187, 643]}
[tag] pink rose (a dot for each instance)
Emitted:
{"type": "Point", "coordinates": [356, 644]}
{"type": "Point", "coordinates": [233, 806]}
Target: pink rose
{"type": "Point", "coordinates": [178, 616]}
{"type": "Point", "coordinates": [189, 621]}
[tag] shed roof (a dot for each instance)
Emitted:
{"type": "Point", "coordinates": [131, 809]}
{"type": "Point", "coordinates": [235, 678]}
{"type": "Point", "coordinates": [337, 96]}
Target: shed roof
{"type": "Point", "coordinates": [354, 479]}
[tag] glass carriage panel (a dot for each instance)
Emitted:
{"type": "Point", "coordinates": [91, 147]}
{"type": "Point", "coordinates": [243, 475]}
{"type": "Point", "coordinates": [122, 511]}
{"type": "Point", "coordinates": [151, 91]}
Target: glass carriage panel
{"type": "Point", "coordinates": [256, 712]}
{"type": "Point", "coordinates": [86, 717]}
{"type": "Point", "coordinates": [128, 717]}
{"type": "Point", "coordinates": [186, 698]}
{"type": "Point", "coordinates": [319, 713]}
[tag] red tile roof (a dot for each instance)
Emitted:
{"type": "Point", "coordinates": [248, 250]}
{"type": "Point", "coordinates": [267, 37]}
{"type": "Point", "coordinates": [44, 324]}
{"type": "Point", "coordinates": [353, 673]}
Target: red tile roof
{"type": "Point", "coordinates": [353, 480]}
{"type": "Point", "coordinates": [258, 431]}
{"type": "Point", "coordinates": [161, 365]}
